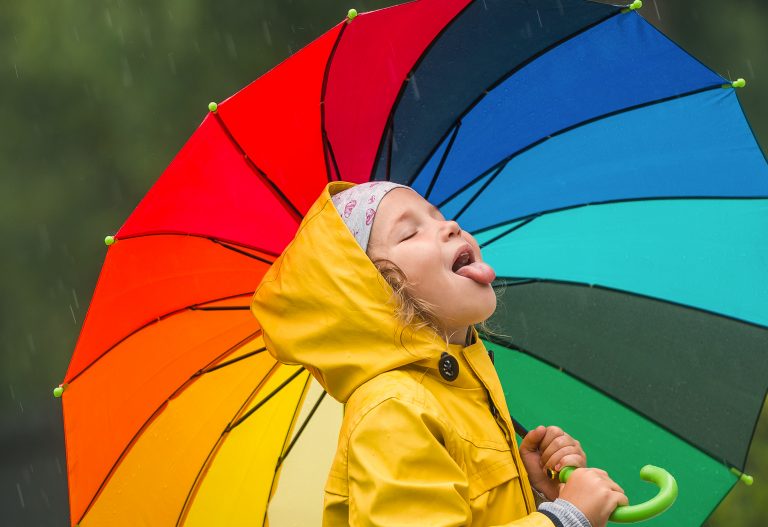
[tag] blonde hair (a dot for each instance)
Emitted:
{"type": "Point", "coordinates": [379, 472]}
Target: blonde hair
{"type": "Point", "coordinates": [416, 313]}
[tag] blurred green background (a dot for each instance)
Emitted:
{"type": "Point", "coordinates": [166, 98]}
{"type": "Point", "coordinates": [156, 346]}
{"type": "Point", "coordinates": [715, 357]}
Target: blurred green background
{"type": "Point", "coordinates": [97, 98]}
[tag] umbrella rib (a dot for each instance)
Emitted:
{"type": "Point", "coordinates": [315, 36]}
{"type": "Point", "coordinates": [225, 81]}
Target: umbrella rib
{"type": "Point", "coordinates": [508, 231]}
{"type": "Point", "coordinates": [245, 253]}
{"type": "Point", "coordinates": [275, 189]}
{"type": "Point", "coordinates": [192, 307]}
{"type": "Point", "coordinates": [285, 439]}
{"type": "Point", "coordinates": [442, 160]}
{"type": "Point", "coordinates": [323, 133]}
{"type": "Point", "coordinates": [301, 429]}
{"type": "Point", "coordinates": [219, 241]}
{"type": "Point", "coordinates": [231, 361]}
{"type": "Point", "coordinates": [480, 190]}
{"type": "Point", "coordinates": [390, 139]}
{"type": "Point", "coordinates": [149, 420]}
{"type": "Point", "coordinates": [193, 488]}
{"type": "Point", "coordinates": [533, 216]}
{"type": "Point", "coordinates": [500, 80]}
{"type": "Point", "coordinates": [403, 85]}
{"type": "Point", "coordinates": [512, 281]}
{"type": "Point", "coordinates": [530, 146]}
{"type": "Point", "coordinates": [332, 155]}
{"type": "Point", "coordinates": [261, 403]}
{"type": "Point", "coordinates": [510, 345]}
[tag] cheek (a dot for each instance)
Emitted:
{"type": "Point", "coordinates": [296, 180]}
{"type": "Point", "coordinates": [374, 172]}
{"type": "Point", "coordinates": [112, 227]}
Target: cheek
{"type": "Point", "coordinates": [422, 265]}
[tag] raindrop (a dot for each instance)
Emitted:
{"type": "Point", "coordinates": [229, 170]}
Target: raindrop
{"type": "Point", "coordinates": [293, 29]}
{"type": "Point", "coordinates": [485, 6]}
{"type": "Point", "coordinates": [539, 15]}
{"type": "Point", "coordinates": [108, 17]}
{"type": "Point", "coordinates": [267, 36]}
{"type": "Point", "coordinates": [21, 406]}
{"type": "Point", "coordinates": [560, 8]}
{"type": "Point", "coordinates": [751, 70]}
{"type": "Point", "coordinates": [73, 314]}
{"type": "Point", "coordinates": [21, 496]}
{"type": "Point", "coordinates": [77, 35]}
{"type": "Point", "coordinates": [45, 499]}
{"type": "Point", "coordinates": [74, 295]}
{"type": "Point", "coordinates": [656, 5]}
{"type": "Point", "coordinates": [415, 87]}
{"type": "Point", "coordinates": [16, 70]}
{"type": "Point", "coordinates": [127, 77]}
{"type": "Point", "coordinates": [171, 63]}
{"type": "Point", "coordinates": [170, 15]}
{"type": "Point", "coordinates": [31, 343]}
{"type": "Point", "coordinates": [231, 48]}
{"type": "Point", "coordinates": [58, 465]}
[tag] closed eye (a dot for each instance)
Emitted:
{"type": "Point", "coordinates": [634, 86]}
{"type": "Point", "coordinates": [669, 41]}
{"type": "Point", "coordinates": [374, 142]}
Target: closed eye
{"type": "Point", "coordinates": [409, 236]}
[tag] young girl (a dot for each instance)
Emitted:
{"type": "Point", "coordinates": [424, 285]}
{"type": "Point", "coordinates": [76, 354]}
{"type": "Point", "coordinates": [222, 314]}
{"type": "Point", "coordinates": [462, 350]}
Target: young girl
{"type": "Point", "coordinates": [382, 313]}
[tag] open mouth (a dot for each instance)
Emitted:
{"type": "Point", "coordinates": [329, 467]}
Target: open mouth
{"type": "Point", "coordinates": [464, 257]}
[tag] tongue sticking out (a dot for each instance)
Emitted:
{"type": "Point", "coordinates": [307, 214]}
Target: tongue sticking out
{"type": "Point", "coordinates": [480, 272]}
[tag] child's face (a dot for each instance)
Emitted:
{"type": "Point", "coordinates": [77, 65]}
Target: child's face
{"type": "Point", "coordinates": [424, 245]}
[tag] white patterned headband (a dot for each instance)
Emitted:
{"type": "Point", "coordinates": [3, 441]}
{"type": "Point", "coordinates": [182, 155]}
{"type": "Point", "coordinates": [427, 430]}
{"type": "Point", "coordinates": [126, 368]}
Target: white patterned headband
{"type": "Point", "coordinates": [357, 207]}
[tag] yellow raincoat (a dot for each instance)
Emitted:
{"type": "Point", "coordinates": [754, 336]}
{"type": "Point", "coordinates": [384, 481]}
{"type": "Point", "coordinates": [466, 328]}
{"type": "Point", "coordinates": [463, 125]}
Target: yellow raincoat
{"type": "Point", "coordinates": [414, 448]}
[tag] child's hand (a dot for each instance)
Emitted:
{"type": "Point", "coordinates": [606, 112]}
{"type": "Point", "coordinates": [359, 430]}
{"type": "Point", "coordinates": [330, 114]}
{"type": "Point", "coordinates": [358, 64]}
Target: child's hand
{"type": "Point", "coordinates": [549, 447]}
{"type": "Point", "coordinates": [594, 493]}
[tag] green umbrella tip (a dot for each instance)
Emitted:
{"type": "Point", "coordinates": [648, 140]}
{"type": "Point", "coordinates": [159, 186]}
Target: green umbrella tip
{"type": "Point", "coordinates": [351, 14]}
{"type": "Point", "coordinates": [738, 83]}
{"type": "Point", "coordinates": [59, 390]}
{"type": "Point", "coordinates": [637, 4]}
{"type": "Point", "coordinates": [109, 240]}
{"type": "Point", "coordinates": [744, 478]}
{"type": "Point", "coordinates": [212, 106]}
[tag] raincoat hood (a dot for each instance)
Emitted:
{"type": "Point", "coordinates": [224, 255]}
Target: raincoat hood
{"type": "Point", "coordinates": [324, 304]}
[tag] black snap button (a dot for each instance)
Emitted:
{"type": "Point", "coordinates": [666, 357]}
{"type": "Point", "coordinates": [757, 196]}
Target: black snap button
{"type": "Point", "coordinates": [448, 366]}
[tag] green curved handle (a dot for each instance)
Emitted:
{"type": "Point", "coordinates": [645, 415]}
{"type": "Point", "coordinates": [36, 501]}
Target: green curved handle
{"type": "Point", "coordinates": [643, 511]}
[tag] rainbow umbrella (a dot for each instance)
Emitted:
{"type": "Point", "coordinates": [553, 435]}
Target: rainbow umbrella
{"type": "Point", "coordinates": [611, 178]}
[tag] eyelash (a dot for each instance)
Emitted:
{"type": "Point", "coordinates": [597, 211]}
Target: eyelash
{"type": "Point", "coordinates": [416, 232]}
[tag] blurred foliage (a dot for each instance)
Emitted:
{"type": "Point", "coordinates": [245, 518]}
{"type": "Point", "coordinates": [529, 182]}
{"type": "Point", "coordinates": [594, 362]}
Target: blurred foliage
{"type": "Point", "coordinates": [99, 95]}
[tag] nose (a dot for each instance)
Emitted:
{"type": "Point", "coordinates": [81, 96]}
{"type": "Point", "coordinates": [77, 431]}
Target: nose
{"type": "Point", "coordinates": [450, 227]}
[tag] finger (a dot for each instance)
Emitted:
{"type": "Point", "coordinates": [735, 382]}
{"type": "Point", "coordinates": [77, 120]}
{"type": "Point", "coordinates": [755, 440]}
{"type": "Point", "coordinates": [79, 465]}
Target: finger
{"type": "Point", "coordinates": [600, 472]}
{"type": "Point", "coordinates": [532, 439]}
{"type": "Point", "coordinates": [620, 498]}
{"type": "Point", "coordinates": [552, 460]}
{"type": "Point", "coordinates": [556, 444]}
{"type": "Point", "coordinates": [552, 432]}
{"type": "Point", "coordinates": [568, 460]}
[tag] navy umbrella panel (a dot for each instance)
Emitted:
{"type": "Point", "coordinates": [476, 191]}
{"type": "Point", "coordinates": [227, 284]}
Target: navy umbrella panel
{"type": "Point", "coordinates": [617, 189]}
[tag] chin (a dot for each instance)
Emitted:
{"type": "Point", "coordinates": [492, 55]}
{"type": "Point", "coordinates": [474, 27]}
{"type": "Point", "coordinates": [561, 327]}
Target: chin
{"type": "Point", "coordinates": [482, 308]}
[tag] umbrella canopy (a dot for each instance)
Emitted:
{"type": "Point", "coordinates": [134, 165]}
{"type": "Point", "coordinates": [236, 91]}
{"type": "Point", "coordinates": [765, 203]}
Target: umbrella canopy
{"type": "Point", "coordinates": [611, 179]}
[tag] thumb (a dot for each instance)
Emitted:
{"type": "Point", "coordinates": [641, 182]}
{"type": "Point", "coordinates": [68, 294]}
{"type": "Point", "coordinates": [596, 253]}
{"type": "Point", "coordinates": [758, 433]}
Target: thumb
{"type": "Point", "coordinates": [532, 439]}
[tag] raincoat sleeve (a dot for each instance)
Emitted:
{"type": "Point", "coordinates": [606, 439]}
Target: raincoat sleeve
{"type": "Point", "coordinates": [400, 472]}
